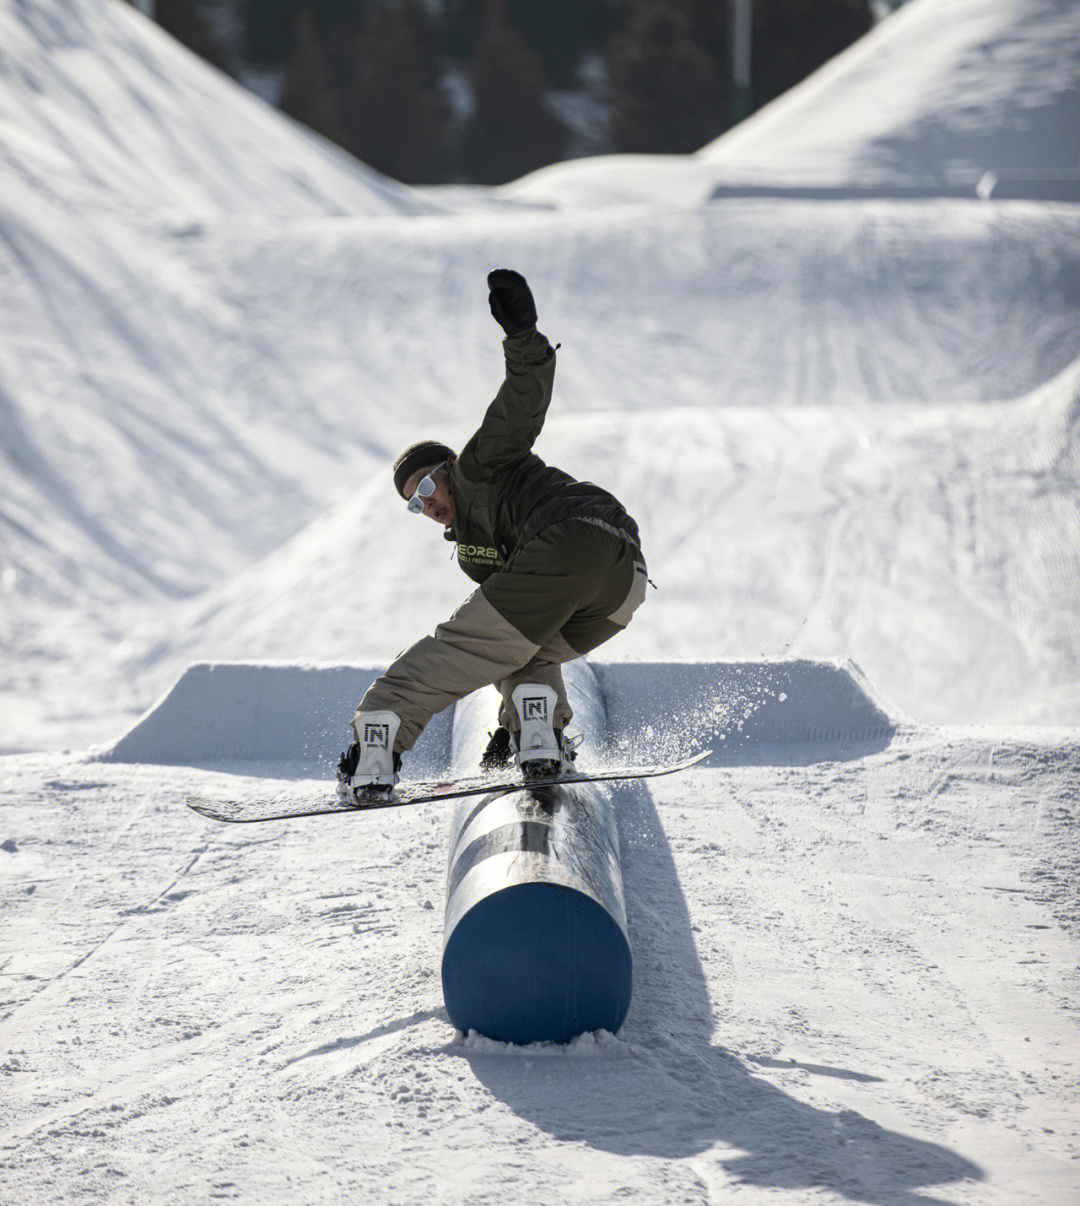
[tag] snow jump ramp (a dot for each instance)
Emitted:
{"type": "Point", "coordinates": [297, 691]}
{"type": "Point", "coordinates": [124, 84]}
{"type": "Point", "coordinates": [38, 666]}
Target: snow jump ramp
{"type": "Point", "coordinates": [535, 945]}
{"type": "Point", "coordinates": [295, 716]}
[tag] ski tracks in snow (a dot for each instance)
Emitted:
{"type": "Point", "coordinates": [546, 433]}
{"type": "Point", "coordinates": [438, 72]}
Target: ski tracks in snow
{"type": "Point", "coordinates": [95, 859]}
{"type": "Point", "coordinates": [849, 981]}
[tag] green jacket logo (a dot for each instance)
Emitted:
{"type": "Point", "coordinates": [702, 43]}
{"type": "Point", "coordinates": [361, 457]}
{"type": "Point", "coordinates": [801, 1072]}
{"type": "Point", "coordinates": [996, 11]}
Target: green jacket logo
{"type": "Point", "coordinates": [477, 554]}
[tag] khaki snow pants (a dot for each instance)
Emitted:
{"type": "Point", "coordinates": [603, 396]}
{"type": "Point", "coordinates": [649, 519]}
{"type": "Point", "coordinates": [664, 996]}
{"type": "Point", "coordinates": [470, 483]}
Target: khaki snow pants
{"type": "Point", "coordinates": [572, 587]}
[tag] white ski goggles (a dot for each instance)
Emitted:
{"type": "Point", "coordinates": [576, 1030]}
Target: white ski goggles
{"type": "Point", "coordinates": [425, 489]}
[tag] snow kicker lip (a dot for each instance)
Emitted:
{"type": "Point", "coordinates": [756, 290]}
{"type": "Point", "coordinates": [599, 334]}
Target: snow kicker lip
{"type": "Point", "coordinates": [781, 710]}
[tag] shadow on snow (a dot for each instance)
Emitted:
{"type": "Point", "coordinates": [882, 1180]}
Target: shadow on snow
{"type": "Point", "coordinates": [676, 1094]}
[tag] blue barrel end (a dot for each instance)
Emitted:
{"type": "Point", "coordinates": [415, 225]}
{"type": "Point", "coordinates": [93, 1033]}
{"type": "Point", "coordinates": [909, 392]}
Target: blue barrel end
{"type": "Point", "coordinates": [536, 962]}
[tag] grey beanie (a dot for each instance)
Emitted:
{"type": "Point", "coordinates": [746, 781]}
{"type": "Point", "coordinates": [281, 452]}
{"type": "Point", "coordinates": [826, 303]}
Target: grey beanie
{"type": "Point", "coordinates": [420, 455]}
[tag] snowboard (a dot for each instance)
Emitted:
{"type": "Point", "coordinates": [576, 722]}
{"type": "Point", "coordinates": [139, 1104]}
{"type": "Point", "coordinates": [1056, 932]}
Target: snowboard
{"type": "Point", "coordinates": [285, 807]}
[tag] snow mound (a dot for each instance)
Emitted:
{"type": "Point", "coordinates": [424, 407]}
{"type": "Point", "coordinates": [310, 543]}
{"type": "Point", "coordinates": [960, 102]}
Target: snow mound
{"type": "Point", "coordinates": [101, 106]}
{"type": "Point", "coordinates": [605, 181]}
{"type": "Point", "coordinates": [768, 711]}
{"type": "Point", "coordinates": [825, 528]}
{"type": "Point", "coordinates": [970, 97]}
{"type": "Point", "coordinates": [261, 712]}
{"type": "Point", "coordinates": [973, 98]}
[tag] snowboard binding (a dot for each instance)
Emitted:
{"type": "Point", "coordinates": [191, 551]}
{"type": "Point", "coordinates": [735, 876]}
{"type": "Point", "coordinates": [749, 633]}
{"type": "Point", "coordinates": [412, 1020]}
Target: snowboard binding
{"type": "Point", "coordinates": [368, 770]}
{"type": "Point", "coordinates": [540, 750]}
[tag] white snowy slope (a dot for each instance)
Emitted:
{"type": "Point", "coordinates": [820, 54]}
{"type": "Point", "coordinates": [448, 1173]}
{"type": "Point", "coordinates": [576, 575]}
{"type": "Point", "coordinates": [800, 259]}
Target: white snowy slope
{"type": "Point", "coordinates": [186, 383]}
{"type": "Point", "coordinates": [743, 302]}
{"type": "Point", "coordinates": [937, 96]}
{"type": "Point", "coordinates": [241, 418]}
{"type": "Point", "coordinates": [149, 442]}
{"type": "Point", "coordinates": [938, 547]}
{"type": "Point", "coordinates": [102, 109]}
{"type": "Point", "coordinates": [854, 981]}
{"type": "Point", "coordinates": [943, 97]}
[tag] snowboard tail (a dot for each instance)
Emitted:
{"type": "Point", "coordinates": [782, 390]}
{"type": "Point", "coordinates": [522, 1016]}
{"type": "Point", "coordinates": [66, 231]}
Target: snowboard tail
{"type": "Point", "coordinates": [286, 807]}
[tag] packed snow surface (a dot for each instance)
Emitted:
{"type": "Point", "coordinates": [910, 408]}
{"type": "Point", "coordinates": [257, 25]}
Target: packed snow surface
{"type": "Point", "coordinates": [854, 981]}
{"type": "Point", "coordinates": [850, 431]}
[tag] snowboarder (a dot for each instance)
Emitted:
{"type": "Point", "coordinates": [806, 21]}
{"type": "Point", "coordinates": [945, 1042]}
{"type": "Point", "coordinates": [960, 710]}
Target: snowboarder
{"type": "Point", "coordinates": [558, 561]}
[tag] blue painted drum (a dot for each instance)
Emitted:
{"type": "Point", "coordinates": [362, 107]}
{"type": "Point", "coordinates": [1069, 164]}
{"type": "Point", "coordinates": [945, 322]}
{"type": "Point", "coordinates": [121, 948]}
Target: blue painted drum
{"type": "Point", "coordinates": [535, 945]}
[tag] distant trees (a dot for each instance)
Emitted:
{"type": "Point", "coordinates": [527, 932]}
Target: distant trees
{"type": "Point", "coordinates": [487, 90]}
{"type": "Point", "coordinates": [668, 80]}
{"type": "Point", "coordinates": [370, 83]}
{"type": "Point", "coordinates": [558, 32]}
{"type": "Point", "coordinates": [268, 25]}
{"type": "Point", "coordinates": [186, 21]}
{"type": "Point", "coordinates": [310, 92]}
{"type": "Point", "coordinates": [792, 38]}
{"type": "Point", "coordinates": [511, 131]}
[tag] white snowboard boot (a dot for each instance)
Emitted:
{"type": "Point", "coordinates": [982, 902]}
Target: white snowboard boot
{"type": "Point", "coordinates": [376, 763]}
{"type": "Point", "coordinates": [538, 746]}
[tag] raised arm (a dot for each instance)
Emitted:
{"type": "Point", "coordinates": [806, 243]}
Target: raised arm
{"type": "Point", "coordinates": [516, 415]}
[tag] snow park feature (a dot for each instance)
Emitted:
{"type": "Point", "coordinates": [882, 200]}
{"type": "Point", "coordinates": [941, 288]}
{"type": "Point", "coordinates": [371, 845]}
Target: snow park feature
{"type": "Point", "coordinates": [290, 716]}
{"type": "Point", "coordinates": [536, 947]}
{"type": "Point", "coordinates": [831, 363]}
{"type": "Point", "coordinates": [535, 944]}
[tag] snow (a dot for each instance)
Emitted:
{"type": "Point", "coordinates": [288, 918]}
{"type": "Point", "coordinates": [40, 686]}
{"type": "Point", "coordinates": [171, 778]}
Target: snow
{"type": "Point", "coordinates": [943, 98]}
{"type": "Point", "coordinates": [227, 713]}
{"type": "Point", "coordinates": [849, 429]}
{"type": "Point", "coordinates": [101, 108]}
{"type": "Point", "coordinates": [270, 409]}
{"type": "Point", "coordinates": [853, 981]}
{"type": "Point", "coordinates": [945, 93]}
{"type": "Point", "coordinates": [247, 391]}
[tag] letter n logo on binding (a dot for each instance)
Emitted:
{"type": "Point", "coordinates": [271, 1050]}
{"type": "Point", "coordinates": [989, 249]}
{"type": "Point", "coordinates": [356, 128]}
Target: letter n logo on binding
{"type": "Point", "coordinates": [534, 707]}
{"type": "Point", "coordinates": [376, 734]}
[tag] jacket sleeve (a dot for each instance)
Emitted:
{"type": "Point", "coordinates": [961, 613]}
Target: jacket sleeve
{"type": "Point", "coordinates": [515, 417]}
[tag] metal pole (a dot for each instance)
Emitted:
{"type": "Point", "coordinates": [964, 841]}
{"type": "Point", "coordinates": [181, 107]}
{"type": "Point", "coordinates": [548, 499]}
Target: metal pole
{"type": "Point", "coordinates": [743, 19]}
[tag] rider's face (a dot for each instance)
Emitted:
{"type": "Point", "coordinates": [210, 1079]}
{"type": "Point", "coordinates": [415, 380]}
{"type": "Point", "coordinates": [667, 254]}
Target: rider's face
{"type": "Point", "coordinates": [440, 505]}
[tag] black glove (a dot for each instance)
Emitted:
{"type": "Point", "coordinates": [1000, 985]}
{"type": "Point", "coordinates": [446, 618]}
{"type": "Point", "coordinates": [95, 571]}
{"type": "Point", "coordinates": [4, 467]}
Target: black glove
{"type": "Point", "coordinates": [511, 301]}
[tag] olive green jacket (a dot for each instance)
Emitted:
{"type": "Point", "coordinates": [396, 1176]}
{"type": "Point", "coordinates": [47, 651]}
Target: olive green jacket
{"type": "Point", "coordinates": [513, 513]}
{"type": "Point", "coordinates": [503, 493]}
